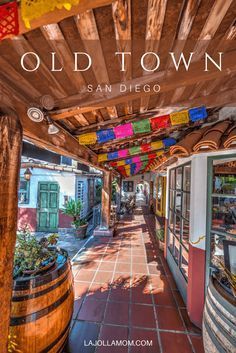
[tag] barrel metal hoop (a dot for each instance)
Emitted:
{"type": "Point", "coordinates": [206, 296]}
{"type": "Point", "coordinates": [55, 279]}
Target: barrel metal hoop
{"type": "Point", "coordinates": [230, 339]}
{"type": "Point", "coordinates": [17, 321]}
{"type": "Point", "coordinates": [48, 348]}
{"type": "Point", "coordinates": [213, 337]}
{"type": "Point", "coordinates": [223, 318]}
{"type": "Point", "coordinates": [38, 294]}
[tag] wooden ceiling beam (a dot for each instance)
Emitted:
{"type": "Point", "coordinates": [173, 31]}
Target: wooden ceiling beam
{"type": "Point", "coordinates": [88, 31]}
{"type": "Point", "coordinates": [155, 20]}
{"type": "Point", "coordinates": [56, 40]}
{"type": "Point", "coordinates": [174, 80]}
{"type": "Point", "coordinates": [22, 46]}
{"type": "Point", "coordinates": [121, 12]}
{"type": "Point", "coordinates": [59, 15]}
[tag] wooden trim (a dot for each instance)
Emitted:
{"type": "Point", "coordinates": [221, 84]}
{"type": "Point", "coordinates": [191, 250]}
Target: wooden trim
{"type": "Point", "coordinates": [10, 157]}
{"type": "Point", "coordinates": [106, 199]}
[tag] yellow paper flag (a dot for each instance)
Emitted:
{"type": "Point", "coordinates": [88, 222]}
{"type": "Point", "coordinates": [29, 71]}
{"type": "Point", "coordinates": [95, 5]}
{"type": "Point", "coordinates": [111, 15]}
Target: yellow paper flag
{"type": "Point", "coordinates": [102, 157]}
{"type": "Point", "coordinates": [88, 139]}
{"type": "Point", "coordinates": [156, 145]}
{"type": "Point", "coordinates": [120, 163]}
{"type": "Point", "coordinates": [33, 9]}
{"type": "Point", "coordinates": [179, 118]}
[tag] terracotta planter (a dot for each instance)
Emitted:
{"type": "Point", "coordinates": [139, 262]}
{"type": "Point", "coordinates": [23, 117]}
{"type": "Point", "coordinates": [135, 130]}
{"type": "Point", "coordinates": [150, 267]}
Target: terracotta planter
{"type": "Point", "coordinates": [81, 231]}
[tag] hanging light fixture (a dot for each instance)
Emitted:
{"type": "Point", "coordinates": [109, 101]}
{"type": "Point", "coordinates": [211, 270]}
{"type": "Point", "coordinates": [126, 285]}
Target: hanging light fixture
{"type": "Point", "coordinates": [27, 174]}
{"type": "Point", "coordinates": [52, 128]}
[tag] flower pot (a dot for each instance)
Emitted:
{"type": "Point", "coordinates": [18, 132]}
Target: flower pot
{"type": "Point", "coordinates": [80, 232]}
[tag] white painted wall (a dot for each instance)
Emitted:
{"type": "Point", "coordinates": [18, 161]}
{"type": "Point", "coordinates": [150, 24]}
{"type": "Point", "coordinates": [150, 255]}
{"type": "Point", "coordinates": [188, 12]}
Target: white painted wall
{"type": "Point", "coordinates": [198, 198]}
{"type": "Point", "coordinates": [65, 180]}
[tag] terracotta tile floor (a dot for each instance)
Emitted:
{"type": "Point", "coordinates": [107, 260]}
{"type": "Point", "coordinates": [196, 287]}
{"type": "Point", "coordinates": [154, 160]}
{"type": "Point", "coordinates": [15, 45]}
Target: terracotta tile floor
{"type": "Point", "coordinates": [125, 291]}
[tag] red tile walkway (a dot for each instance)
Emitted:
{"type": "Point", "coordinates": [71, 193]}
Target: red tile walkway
{"type": "Point", "coordinates": [125, 291]}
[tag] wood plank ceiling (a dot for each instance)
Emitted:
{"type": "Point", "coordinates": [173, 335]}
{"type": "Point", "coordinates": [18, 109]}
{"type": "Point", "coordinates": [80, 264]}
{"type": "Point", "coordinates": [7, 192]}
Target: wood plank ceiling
{"type": "Point", "coordinates": [160, 26]}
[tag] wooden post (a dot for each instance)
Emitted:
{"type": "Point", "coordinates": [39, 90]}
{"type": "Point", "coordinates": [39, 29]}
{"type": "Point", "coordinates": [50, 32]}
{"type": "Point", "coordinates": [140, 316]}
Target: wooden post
{"type": "Point", "coordinates": [10, 158]}
{"type": "Point", "coordinates": [106, 200]}
{"type": "Point", "coordinates": [118, 194]}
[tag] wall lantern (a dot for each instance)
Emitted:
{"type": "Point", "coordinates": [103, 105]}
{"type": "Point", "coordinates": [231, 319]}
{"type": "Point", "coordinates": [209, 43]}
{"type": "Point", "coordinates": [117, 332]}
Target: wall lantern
{"type": "Point", "coordinates": [27, 174]}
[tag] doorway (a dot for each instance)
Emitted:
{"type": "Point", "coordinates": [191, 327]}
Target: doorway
{"type": "Point", "coordinates": [48, 207]}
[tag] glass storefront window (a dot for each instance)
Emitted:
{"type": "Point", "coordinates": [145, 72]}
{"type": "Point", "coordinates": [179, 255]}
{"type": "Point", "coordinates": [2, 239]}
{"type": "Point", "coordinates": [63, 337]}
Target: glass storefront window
{"type": "Point", "coordinates": [223, 219]}
{"type": "Point", "coordinates": [179, 215]}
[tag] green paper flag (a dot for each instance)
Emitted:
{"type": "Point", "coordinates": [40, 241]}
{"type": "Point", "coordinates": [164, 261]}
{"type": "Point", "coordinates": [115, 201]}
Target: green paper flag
{"type": "Point", "coordinates": [134, 150]}
{"type": "Point", "coordinates": [139, 127]}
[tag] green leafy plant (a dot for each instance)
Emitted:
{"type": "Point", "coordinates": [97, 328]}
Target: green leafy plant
{"type": "Point", "coordinates": [73, 209]}
{"type": "Point", "coordinates": [31, 255]}
{"type": "Point", "coordinates": [160, 234]}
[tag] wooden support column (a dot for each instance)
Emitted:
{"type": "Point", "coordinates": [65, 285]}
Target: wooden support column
{"type": "Point", "coordinates": [10, 158]}
{"type": "Point", "coordinates": [118, 194]}
{"type": "Point", "coordinates": [106, 199]}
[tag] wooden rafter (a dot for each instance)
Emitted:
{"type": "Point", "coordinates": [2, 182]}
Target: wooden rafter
{"type": "Point", "coordinates": [173, 81]}
{"type": "Point", "coordinates": [155, 21]}
{"type": "Point", "coordinates": [87, 28]}
{"type": "Point", "coordinates": [121, 11]}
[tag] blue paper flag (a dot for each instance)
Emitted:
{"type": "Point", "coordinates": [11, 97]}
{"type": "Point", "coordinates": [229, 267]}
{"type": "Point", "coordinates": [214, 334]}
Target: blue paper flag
{"type": "Point", "coordinates": [169, 142]}
{"type": "Point", "coordinates": [196, 114]}
{"type": "Point", "coordinates": [132, 168]}
{"type": "Point", "coordinates": [112, 155]}
{"type": "Point", "coordinates": [105, 135]}
{"type": "Point", "coordinates": [128, 161]}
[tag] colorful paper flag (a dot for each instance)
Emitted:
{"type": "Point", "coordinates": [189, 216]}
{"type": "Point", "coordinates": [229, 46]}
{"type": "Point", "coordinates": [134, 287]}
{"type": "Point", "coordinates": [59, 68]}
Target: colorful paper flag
{"type": "Point", "coordinates": [112, 155]}
{"type": "Point", "coordinates": [105, 135]}
{"type": "Point", "coordinates": [196, 114]}
{"type": "Point", "coordinates": [102, 157]}
{"type": "Point", "coordinates": [142, 126]}
{"type": "Point", "coordinates": [88, 139]}
{"type": "Point", "coordinates": [33, 9]}
{"type": "Point", "coordinates": [134, 150]}
{"type": "Point", "coordinates": [8, 19]}
{"type": "Point", "coordinates": [136, 159]}
{"type": "Point", "coordinates": [123, 153]}
{"type": "Point", "coordinates": [160, 122]}
{"type": "Point", "coordinates": [146, 147]}
{"type": "Point", "coordinates": [157, 145]}
{"type": "Point", "coordinates": [123, 131]}
{"type": "Point", "coordinates": [179, 118]}
{"type": "Point", "coordinates": [169, 142]}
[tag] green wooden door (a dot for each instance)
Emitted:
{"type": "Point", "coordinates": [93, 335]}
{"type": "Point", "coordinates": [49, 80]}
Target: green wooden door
{"type": "Point", "coordinates": [48, 206]}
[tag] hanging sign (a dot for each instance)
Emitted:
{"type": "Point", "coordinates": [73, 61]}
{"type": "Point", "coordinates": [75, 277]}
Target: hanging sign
{"type": "Point", "coordinates": [105, 135]}
{"type": "Point", "coordinates": [8, 19]}
{"type": "Point", "coordinates": [141, 126]}
{"type": "Point", "coordinates": [123, 131]}
{"type": "Point", "coordinates": [88, 139]}
{"type": "Point", "coordinates": [160, 122]}
{"type": "Point", "coordinates": [179, 118]}
{"type": "Point", "coordinates": [196, 114]}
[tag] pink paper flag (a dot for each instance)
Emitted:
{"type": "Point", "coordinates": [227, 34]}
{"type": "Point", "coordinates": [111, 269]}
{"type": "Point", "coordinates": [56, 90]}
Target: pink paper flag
{"type": "Point", "coordinates": [136, 159]}
{"type": "Point", "coordinates": [123, 153]}
{"type": "Point", "coordinates": [123, 131]}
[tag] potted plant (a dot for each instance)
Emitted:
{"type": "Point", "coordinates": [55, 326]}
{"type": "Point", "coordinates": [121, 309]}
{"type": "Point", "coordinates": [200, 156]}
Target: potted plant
{"type": "Point", "coordinates": [161, 238]}
{"type": "Point", "coordinates": [33, 256]}
{"type": "Point", "coordinates": [73, 210]}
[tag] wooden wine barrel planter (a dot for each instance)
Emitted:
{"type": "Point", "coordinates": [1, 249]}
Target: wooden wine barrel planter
{"type": "Point", "coordinates": [42, 307]}
{"type": "Point", "coordinates": [219, 321]}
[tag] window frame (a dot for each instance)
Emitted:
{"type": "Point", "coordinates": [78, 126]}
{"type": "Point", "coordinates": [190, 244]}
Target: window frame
{"type": "Point", "coordinates": [27, 191]}
{"type": "Point", "coordinates": [127, 185]}
{"type": "Point", "coordinates": [172, 192]}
